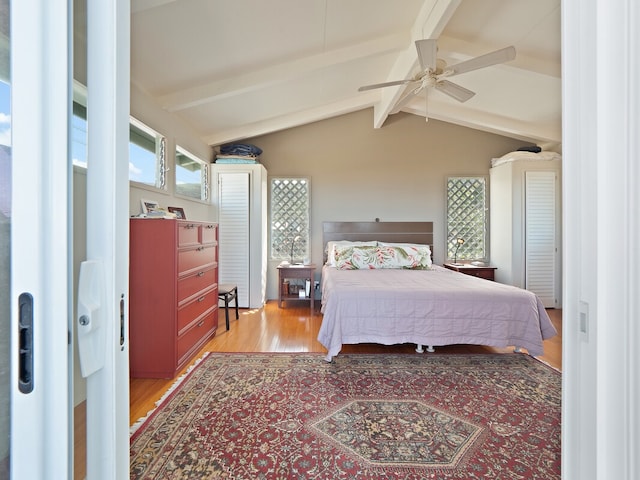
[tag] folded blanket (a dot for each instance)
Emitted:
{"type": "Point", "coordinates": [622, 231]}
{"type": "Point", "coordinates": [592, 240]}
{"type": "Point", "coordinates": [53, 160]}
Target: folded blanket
{"type": "Point", "coordinates": [240, 149]}
{"type": "Point", "coordinates": [236, 159]}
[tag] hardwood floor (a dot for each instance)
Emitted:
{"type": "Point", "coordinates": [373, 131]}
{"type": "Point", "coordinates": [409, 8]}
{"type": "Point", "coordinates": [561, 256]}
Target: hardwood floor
{"type": "Point", "coordinates": [291, 329]}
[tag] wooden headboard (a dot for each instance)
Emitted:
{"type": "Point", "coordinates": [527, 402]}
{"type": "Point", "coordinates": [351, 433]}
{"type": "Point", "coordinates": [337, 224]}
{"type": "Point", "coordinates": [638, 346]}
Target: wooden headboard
{"type": "Point", "coordinates": [400, 232]}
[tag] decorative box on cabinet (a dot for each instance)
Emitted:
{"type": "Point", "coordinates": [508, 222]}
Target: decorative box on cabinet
{"type": "Point", "coordinates": [173, 287]}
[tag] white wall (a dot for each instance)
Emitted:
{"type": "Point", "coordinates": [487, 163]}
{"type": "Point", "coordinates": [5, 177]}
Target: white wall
{"type": "Point", "coordinates": [176, 133]}
{"type": "Point", "coordinates": [396, 173]}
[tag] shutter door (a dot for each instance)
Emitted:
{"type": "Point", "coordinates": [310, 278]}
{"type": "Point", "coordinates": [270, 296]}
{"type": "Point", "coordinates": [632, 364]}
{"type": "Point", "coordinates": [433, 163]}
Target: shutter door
{"type": "Point", "coordinates": [540, 235]}
{"type": "Point", "coordinates": [233, 222]}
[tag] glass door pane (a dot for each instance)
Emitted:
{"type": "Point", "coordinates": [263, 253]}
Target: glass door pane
{"type": "Point", "coordinates": [5, 240]}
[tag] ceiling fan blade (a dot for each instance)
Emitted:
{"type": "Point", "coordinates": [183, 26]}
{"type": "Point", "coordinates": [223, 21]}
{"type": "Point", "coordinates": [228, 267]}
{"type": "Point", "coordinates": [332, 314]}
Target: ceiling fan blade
{"type": "Point", "coordinates": [454, 90]}
{"type": "Point", "coordinates": [499, 56]}
{"type": "Point", "coordinates": [427, 51]}
{"type": "Point", "coordinates": [384, 84]}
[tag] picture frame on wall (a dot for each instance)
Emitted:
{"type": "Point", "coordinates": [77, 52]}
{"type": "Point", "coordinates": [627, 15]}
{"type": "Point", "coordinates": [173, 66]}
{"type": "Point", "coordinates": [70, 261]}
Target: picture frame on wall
{"type": "Point", "coordinates": [149, 206]}
{"type": "Point", "coordinates": [178, 211]}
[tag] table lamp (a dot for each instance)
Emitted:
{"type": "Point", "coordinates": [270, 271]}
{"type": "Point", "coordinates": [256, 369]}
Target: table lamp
{"type": "Point", "coordinates": [459, 241]}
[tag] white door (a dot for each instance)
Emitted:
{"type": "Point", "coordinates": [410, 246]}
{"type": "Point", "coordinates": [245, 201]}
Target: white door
{"type": "Point", "coordinates": [234, 234]}
{"type": "Point", "coordinates": [36, 229]}
{"type": "Point", "coordinates": [541, 266]}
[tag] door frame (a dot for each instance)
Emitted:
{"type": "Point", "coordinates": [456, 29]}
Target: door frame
{"type": "Point", "coordinates": [108, 99]}
{"type": "Point", "coordinates": [40, 414]}
{"type": "Point", "coordinates": [42, 419]}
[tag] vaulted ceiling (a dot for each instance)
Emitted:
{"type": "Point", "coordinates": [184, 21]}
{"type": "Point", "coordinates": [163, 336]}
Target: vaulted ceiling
{"type": "Point", "coordinates": [234, 69]}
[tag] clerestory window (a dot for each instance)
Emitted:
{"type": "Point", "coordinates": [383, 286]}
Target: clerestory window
{"type": "Point", "coordinates": [147, 159]}
{"type": "Point", "coordinates": [147, 155]}
{"type": "Point", "coordinates": [192, 175]}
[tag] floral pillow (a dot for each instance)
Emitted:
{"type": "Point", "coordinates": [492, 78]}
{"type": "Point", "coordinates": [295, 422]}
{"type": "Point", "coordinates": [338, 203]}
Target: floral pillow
{"type": "Point", "coordinates": [331, 248]}
{"type": "Point", "coordinates": [408, 256]}
{"type": "Point", "coordinates": [355, 258]}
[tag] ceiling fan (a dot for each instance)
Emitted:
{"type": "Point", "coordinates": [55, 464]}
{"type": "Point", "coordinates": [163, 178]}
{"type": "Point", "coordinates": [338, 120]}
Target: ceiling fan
{"type": "Point", "coordinates": [434, 72]}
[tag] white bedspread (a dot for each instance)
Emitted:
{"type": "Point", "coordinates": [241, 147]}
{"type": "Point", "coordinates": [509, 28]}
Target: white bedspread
{"type": "Point", "coordinates": [428, 307]}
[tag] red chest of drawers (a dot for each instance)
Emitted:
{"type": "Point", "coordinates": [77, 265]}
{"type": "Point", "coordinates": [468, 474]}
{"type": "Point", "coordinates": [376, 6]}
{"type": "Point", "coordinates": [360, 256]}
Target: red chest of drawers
{"type": "Point", "coordinates": [173, 291]}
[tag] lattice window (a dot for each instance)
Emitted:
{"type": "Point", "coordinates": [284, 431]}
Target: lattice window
{"type": "Point", "coordinates": [467, 208]}
{"type": "Point", "coordinates": [290, 206]}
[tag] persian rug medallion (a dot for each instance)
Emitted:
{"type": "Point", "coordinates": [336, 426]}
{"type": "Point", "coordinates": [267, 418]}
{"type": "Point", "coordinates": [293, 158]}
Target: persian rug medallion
{"type": "Point", "coordinates": [399, 432]}
{"type": "Point", "coordinates": [406, 416]}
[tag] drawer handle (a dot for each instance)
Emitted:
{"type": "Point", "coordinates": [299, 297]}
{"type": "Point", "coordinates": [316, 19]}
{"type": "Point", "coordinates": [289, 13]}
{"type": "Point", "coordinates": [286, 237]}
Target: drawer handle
{"type": "Point", "coordinates": [201, 299]}
{"type": "Point", "coordinates": [201, 323]}
{"type": "Point", "coordinates": [200, 274]}
{"type": "Point", "coordinates": [209, 226]}
{"type": "Point", "coordinates": [199, 249]}
{"type": "Point", "coordinates": [190, 225]}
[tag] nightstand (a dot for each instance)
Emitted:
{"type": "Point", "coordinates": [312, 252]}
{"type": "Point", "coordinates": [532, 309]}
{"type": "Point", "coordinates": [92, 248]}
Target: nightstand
{"type": "Point", "coordinates": [473, 270]}
{"type": "Point", "coordinates": [289, 290]}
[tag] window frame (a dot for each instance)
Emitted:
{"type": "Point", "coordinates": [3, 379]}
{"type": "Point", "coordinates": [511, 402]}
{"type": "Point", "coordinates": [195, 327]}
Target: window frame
{"type": "Point", "coordinates": [281, 249]}
{"type": "Point", "coordinates": [466, 252]}
{"type": "Point", "coordinates": [205, 191]}
{"type": "Point", "coordinates": [160, 155]}
{"type": "Point", "coordinates": [80, 106]}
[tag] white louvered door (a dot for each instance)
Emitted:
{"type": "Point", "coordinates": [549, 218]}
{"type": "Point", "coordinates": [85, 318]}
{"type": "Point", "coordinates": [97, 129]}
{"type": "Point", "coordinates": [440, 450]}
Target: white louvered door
{"type": "Point", "coordinates": [541, 270]}
{"type": "Point", "coordinates": [233, 220]}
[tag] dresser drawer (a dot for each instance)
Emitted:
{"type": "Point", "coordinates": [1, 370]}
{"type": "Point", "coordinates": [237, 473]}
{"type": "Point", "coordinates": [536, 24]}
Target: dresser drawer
{"type": "Point", "coordinates": [208, 233]}
{"type": "Point", "coordinates": [487, 274]}
{"type": "Point", "coordinates": [188, 234]}
{"type": "Point", "coordinates": [193, 309]}
{"type": "Point", "coordinates": [194, 259]}
{"type": "Point", "coordinates": [194, 282]}
{"type": "Point", "coordinates": [193, 335]}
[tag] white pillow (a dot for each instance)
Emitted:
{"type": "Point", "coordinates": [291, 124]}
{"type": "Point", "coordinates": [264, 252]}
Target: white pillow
{"type": "Point", "coordinates": [331, 247]}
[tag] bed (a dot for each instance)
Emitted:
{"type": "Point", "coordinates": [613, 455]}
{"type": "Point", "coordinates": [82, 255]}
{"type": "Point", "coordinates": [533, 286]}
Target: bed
{"type": "Point", "coordinates": [426, 305]}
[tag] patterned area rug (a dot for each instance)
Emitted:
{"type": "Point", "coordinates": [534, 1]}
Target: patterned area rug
{"type": "Point", "coordinates": [294, 416]}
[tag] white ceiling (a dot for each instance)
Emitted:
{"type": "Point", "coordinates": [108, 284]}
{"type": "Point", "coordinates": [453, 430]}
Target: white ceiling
{"type": "Point", "coordinates": [234, 69]}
